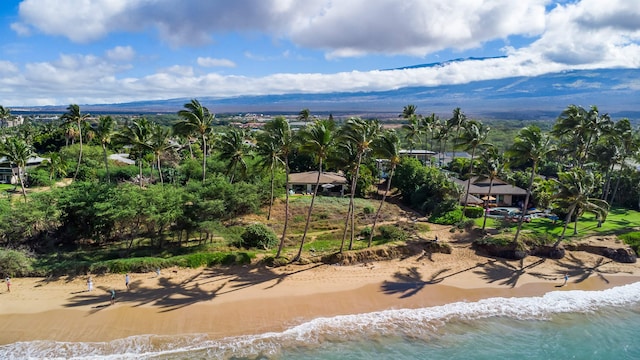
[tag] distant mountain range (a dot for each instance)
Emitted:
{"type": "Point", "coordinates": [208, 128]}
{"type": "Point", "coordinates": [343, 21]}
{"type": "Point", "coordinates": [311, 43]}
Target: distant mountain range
{"type": "Point", "coordinates": [615, 91]}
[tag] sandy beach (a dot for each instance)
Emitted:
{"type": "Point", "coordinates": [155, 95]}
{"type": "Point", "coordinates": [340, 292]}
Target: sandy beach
{"type": "Point", "coordinates": [246, 300]}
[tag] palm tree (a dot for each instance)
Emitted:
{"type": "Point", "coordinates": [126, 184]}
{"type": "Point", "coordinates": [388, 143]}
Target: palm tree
{"type": "Point", "coordinates": [233, 148]}
{"type": "Point", "coordinates": [5, 115]}
{"type": "Point", "coordinates": [630, 143]}
{"type": "Point", "coordinates": [408, 111]}
{"type": "Point", "coordinates": [17, 152]}
{"type": "Point", "coordinates": [279, 132]}
{"type": "Point", "coordinates": [360, 133]}
{"type": "Point", "coordinates": [136, 136]}
{"type": "Point", "coordinates": [531, 144]}
{"type": "Point", "coordinates": [573, 192]}
{"type": "Point", "coordinates": [473, 136]}
{"type": "Point", "coordinates": [104, 132]}
{"type": "Point", "coordinates": [490, 166]}
{"type": "Point", "coordinates": [268, 147]}
{"type": "Point", "coordinates": [429, 125]}
{"type": "Point", "coordinates": [55, 165]}
{"type": "Point", "coordinates": [442, 135]}
{"type": "Point", "coordinates": [387, 146]}
{"type": "Point", "coordinates": [159, 143]}
{"type": "Point", "coordinates": [317, 140]}
{"type": "Point", "coordinates": [196, 120]}
{"type": "Point", "coordinates": [74, 116]}
{"type": "Point", "coordinates": [456, 122]}
{"type": "Point", "coordinates": [304, 115]}
{"type": "Point", "coordinates": [413, 132]}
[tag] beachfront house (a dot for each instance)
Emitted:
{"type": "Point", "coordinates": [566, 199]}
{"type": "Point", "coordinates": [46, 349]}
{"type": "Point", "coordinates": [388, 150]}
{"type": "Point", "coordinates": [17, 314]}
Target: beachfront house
{"type": "Point", "coordinates": [332, 184]}
{"type": "Point", "coordinates": [502, 193]}
{"type": "Point", "coordinates": [9, 172]}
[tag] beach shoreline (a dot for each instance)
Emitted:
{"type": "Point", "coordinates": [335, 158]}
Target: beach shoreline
{"type": "Point", "coordinates": [224, 302]}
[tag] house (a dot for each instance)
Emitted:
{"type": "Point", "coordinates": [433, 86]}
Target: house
{"type": "Point", "coordinates": [330, 183]}
{"type": "Point", "coordinates": [424, 156]}
{"type": "Point", "coordinates": [9, 172]}
{"type": "Point", "coordinates": [502, 193]}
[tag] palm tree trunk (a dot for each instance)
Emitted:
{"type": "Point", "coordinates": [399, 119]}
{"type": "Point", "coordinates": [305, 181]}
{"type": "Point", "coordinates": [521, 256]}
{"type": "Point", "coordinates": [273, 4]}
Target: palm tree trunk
{"type": "Point", "coordinates": [384, 197]}
{"type": "Point", "coordinates": [526, 202]}
{"type": "Point", "coordinates": [306, 226]}
{"type": "Point", "coordinates": [159, 170]}
{"type": "Point", "coordinates": [607, 184]}
{"type": "Point", "coordinates": [615, 188]}
{"type": "Point", "coordinates": [466, 197]}
{"type": "Point", "coordinates": [204, 158]}
{"type": "Point", "coordinates": [24, 191]}
{"type": "Point", "coordinates": [346, 225]}
{"type": "Point", "coordinates": [80, 154]}
{"type": "Point", "coordinates": [564, 229]}
{"type": "Point", "coordinates": [354, 184]}
{"type": "Point", "coordinates": [486, 212]}
{"type": "Point", "coordinates": [140, 169]}
{"type": "Point", "coordinates": [106, 162]}
{"type": "Point", "coordinates": [271, 198]}
{"type": "Point", "coordinates": [286, 208]}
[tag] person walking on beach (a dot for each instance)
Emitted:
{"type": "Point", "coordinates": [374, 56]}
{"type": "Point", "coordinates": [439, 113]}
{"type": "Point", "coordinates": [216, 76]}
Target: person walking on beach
{"type": "Point", "coordinates": [126, 281]}
{"type": "Point", "coordinates": [89, 284]}
{"type": "Point", "coordinates": [566, 278]}
{"type": "Point", "coordinates": [8, 281]}
{"type": "Point", "coordinates": [113, 296]}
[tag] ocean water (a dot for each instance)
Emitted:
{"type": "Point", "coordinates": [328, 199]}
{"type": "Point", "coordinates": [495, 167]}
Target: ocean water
{"type": "Point", "coordinates": [559, 325]}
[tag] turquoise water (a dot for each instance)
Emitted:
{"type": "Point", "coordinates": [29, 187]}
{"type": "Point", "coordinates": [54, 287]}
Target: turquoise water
{"type": "Point", "coordinates": [559, 325]}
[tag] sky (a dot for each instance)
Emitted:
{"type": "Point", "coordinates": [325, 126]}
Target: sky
{"type": "Point", "coordinates": [60, 52]}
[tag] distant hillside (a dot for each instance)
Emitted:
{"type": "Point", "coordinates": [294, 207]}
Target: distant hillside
{"type": "Point", "coordinates": [615, 91]}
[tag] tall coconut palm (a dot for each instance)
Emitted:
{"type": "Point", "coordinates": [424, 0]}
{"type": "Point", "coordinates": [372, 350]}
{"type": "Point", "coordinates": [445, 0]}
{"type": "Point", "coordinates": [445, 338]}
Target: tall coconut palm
{"type": "Point", "coordinates": [413, 132]}
{"type": "Point", "coordinates": [574, 190]}
{"type": "Point", "coordinates": [5, 115]}
{"type": "Point", "coordinates": [429, 125]}
{"type": "Point", "coordinates": [317, 139]}
{"type": "Point", "coordinates": [456, 122]}
{"type": "Point", "coordinates": [75, 116]}
{"type": "Point", "coordinates": [279, 132]}
{"type": "Point", "coordinates": [17, 152]}
{"type": "Point", "coordinates": [104, 132]}
{"type": "Point", "coordinates": [387, 146]}
{"type": "Point", "coordinates": [304, 115]}
{"type": "Point", "coordinates": [530, 145]}
{"type": "Point", "coordinates": [196, 119]}
{"type": "Point", "coordinates": [159, 144]}
{"type": "Point", "coordinates": [56, 165]}
{"type": "Point", "coordinates": [473, 136]}
{"type": "Point", "coordinates": [630, 143]}
{"type": "Point", "coordinates": [491, 166]}
{"type": "Point", "coordinates": [361, 133]}
{"type": "Point", "coordinates": [345, 156]}
{"type": "Point", "coordinates": [408, 111]}
{"type": "Point", "coordinates": [136, 136]}
{"type": "Point", "coordinates": [268, 147]}
{"type": "Point", "coordinates": [233, 148]}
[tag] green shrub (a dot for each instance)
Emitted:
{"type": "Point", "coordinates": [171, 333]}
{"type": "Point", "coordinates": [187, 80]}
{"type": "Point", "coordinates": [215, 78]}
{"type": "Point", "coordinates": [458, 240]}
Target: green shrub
{"type": "Point", "coordinates": [392, 233]}
{"type": "Point", "coordinates": [365, 232]}
{"type": "Point", "coordinates": [367, 210]}
{"type": "Point", "coordinates": [474, 212]}
{"type": "Point", "coordinates": [16, 262]}
{"type": "Point", "coordinates": [259, 236]}
{"type": "Point", "coordinates": [449, 218]}
{"type": "Point", "coordinates": [632, 239]}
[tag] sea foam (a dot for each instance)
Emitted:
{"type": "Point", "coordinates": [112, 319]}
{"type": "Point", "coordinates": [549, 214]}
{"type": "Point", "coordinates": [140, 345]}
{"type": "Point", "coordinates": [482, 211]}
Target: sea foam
{"type": "Point", "coordinates": [422, 323]}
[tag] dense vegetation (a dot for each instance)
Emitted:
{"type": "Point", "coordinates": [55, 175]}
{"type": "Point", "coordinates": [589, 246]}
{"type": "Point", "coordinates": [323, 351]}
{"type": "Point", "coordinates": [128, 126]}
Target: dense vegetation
{"type": "Point", "coordinates": [194, 176]}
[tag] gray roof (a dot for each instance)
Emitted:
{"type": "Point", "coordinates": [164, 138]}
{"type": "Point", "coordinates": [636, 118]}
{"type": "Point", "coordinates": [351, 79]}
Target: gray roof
{"type": "Point", "coordinates": [501, 188]}
{"type": "Point", "coordinates": [310, 177]}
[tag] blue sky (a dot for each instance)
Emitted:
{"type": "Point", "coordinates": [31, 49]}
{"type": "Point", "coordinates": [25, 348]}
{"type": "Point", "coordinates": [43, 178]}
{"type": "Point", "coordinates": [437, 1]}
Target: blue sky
{"type": "Point", "coordinates": [57, 52]}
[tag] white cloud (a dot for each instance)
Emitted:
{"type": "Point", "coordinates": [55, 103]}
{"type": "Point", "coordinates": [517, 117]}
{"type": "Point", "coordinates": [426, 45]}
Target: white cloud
{"type": "Point", "coordinates": [21, 29]}
{"type": "Point", "coordinates": [121, 53]}
{"type": "Point", "coordinates": [587, 34]}
{"type": "Point", "coordinates": [212, 62]}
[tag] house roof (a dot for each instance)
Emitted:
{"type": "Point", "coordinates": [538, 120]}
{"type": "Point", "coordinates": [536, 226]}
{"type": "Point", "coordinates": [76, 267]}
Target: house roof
{"type": "Point", "coordinates": [471, 199]}
{"type": "Point", "coordinates": [496, 189]}
{"type": "Point", "coordinates": [310, 177]}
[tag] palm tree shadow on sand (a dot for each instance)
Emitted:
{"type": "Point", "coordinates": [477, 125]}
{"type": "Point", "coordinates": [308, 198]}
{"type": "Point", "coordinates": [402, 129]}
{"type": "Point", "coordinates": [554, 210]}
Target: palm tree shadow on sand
{"type": "Point", "coordinates": [169, 295]}
{"type": "Point", "coordinates": [579, 270]}
{"type": "Point", "coordinates": [411, 282]}
{"type": "Point", "coordinates": [505, 273]}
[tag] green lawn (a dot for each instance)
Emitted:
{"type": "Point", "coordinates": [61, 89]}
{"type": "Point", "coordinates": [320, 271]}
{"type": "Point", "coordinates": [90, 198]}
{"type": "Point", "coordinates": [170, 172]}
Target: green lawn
{"type": "Point", "coordinates": [619, 221]}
